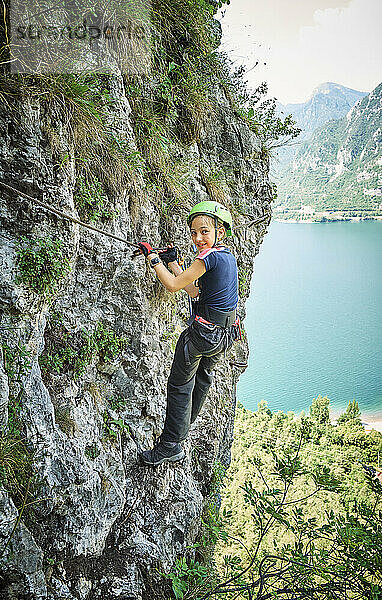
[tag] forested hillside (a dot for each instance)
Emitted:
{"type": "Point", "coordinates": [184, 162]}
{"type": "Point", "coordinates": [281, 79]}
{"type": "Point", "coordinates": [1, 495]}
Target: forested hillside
{"type": "Point", "coordinates": [328, 101]}
{"type": "Point", "coordinates": [301, 511]}
{"type": "Point", "coordinates": [339, 169]}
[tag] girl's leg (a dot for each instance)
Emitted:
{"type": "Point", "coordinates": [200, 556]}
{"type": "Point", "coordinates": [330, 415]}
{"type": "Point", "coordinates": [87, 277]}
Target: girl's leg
{"type": "Point", "coordinates": [203, 379]}
{"type": "Point", "coordinates": [205, 373]}
{"type": "Point", "coordinates": [179, 390]}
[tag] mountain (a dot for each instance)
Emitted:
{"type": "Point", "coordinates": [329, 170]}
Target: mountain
{"type": "Point", "coordinates": [328, 101]}
{"type": "Point", "coordinates": [339, 168]}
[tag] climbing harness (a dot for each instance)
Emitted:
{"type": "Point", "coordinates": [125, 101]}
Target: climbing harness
{"type": "Point", "coordinates": [228, 319]}
{"type": "Point", "coordinates": [210, 315]}
{"type": "Point", "coordinates": [183, 264]}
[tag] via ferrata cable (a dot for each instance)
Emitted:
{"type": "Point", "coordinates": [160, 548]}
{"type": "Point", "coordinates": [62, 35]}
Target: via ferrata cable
{"type": "Point", "coordinates": [65, 215]}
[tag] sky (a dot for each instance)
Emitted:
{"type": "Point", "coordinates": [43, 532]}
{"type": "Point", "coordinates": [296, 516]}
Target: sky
{"type": "Point", "coordinates": [300, 44]}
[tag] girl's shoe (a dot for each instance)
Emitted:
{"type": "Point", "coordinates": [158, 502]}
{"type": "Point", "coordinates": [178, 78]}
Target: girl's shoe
{"type": "Point", "coordinates": [163, 452]}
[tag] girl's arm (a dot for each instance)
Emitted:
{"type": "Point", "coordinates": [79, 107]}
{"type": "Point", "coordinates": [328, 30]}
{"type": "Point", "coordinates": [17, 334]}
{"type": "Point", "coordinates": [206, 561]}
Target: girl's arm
{"type": "Point", "coordinates": [180, 280]}
{"type": "Point", "coordinates": [191, 289]}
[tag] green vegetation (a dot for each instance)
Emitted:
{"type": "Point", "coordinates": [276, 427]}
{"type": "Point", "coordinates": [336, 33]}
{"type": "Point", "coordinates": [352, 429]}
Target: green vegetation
{"type": "Point", "coordinates": [117, 403]}
{"type": "Point", "coordinates": [16, 467]}
{"type": "Point", "coordinates": [171, 335]}
{"type": "Point", "coordinates": [167, 116]}
{"type": "Point", "coordinates": [215, 182]}
{"type": "Point", "coordinates": [186, 576]}
{"type": "Point", "coordinates": [16, 456]}
{"type": "Point", "coordinates": [190, 69]}
{"type": "Point", "coordinates": [83, 103]}
{"type": "Point", "coordinates": [112, 428]}
{"type": "Point", "coordinates": [92, 451]}
{"type": "Point", "coordinates": [191, 576]}
{"type": "Point", "coordinates": [244, 281]}
{"type": "Point", "coordinates": [319, 410]}
{"type": "Point", "coordinates": [352, 414]}
{"type": "Point", "coordinates": [42, 264]}
{"type": "Point", "coordinates": [301, 514]}
{"type": "Point", "coordinates": [212, 522]}
{"type": "Point", "coordinates": [72, 352]}
{"type": "Point", "coordinates": [338, 170]}
{"type": "Point", "coordinates": [90, 199]}
{"type": "Point", "coordinates": [16, 362]}
{"type": "Point", "coordinates": [259, 114]}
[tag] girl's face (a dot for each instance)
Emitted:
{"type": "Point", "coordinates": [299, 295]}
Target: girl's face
{"type": "Point", "coordinates": [203, 233]}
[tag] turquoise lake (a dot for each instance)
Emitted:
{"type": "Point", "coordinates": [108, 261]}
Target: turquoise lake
{"type": "Point", "coordinates": [314, 318]}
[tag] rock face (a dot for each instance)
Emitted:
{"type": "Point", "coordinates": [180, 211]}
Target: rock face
{"type": "Point", "coordinates": [101, 525]}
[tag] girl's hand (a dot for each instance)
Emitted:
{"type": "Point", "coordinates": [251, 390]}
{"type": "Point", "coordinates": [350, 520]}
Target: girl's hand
{"type": "Point", "coordinates": [169, 255]}
{"type": "Point", "coordinates": [145, 248]}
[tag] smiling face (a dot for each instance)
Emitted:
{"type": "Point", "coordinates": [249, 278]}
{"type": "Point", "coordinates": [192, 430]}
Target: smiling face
{"type": "Point", "coordinates": [203, 232]}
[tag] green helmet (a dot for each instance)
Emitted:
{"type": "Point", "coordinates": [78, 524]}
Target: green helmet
{"type": "Point", "coordinates": [214, 210]}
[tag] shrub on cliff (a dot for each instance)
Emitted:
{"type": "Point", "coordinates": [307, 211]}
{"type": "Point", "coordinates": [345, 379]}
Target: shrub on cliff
{"type": "Point", "coordinates": [42, 264]}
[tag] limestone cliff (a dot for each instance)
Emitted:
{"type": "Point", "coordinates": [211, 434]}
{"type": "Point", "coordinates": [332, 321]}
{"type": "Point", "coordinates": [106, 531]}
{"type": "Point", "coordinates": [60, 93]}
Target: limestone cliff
{"type": "Point", "coordinates": [89, 522]}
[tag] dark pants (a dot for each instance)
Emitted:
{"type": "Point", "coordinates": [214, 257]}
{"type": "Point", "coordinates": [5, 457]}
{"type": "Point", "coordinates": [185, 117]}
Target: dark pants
{"type": "Point", "coordinates": [198, 350]}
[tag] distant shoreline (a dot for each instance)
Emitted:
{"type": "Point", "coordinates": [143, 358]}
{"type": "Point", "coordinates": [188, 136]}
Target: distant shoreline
{"type": "Point", "coordinates": [369, 422]}
{"type": "Point", "coordinates": [372, 423]}
{"type": "Point", "coordinates": [339, 220]}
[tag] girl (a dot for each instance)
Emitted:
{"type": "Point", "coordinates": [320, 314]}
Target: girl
{"type": "Point", "coordinates": [214, 325]}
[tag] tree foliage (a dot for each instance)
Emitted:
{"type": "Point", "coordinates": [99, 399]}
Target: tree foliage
{"type": "Point", "coordinates": [319, 410]}
{"type": "Point", "coordinates": [301, 514]}
{"type": "Point", "coordinates": [352, 413]}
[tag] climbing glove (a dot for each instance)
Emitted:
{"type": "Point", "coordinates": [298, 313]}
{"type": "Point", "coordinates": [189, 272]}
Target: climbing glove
{"type": "Point", "coordinates": [144, 248]}
{"type": "Point", "coordinates": [170, 254]}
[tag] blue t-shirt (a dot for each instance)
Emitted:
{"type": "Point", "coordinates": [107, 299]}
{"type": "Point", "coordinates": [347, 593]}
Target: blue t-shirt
{"type": "Point", "coordinates": [218, 286]}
